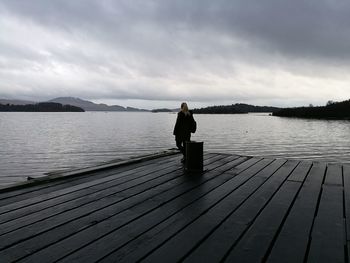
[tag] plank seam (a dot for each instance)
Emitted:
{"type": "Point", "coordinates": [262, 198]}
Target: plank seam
{"type": "Point", "coordinates": [308, 247]}
{"type": "Point", "coordinates": [344, 221]}
{"type": "Point", "coordinates": [287, 213]}
{"type": "Point", "coordinates": [258, 214]}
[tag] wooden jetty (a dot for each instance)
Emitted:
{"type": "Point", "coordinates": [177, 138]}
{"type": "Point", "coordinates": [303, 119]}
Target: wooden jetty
{"type": "Point", "coordinates": [241, 209]}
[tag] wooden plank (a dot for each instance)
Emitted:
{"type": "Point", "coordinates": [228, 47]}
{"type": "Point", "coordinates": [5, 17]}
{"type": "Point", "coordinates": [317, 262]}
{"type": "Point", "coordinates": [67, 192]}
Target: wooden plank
{"type": "Point", "coordinates": [14, 211]}
{"type": "Point", "coordinates": [113, 178]}
{"type": "Point", "coordinates": [328, 232]}
{"type": "Point", "coordinates": [154, 210]}
{"type": "Point", "coordinates": [346, 181]}
{"type": "Point", "coordinates": [216, 162]}
{"type": "Point", "coordinates": [300, 172]}
{"type": "Point", "coordinates": [21, 243]}
{"type": "Point", "coordinates": [93, 187]}
{"type": "Point", "coordinates": [65, 216]}
{"type": "Point", "coordinates": [346, 175]}
{"type": "Point", "coordinates": [55, 206]}
{"type": "Point", "coordinates": [171, 216]}
{"type": "Point", "coordinates": [32, 191]}
{"type": "Point", "coordinates": [182, 242]}
{"type": "Point", "coordinates": [255, 243]}
{"type": "Point", "coordinates": [231, 157]}
{"type": "Point", "coordinates": [219, 242]}
{"type": "Point", "coordinates": [155, 237]}
{"type": "Point", "coordinates": [291, 243]}
{"type": "Point", "coordinates": [334, 175]}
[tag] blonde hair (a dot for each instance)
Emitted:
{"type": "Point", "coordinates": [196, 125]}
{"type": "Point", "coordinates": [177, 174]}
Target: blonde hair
{"type": "Point", "coordinates": [184, 108]}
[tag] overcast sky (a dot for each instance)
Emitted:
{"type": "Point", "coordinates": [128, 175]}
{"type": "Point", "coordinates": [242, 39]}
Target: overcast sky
{"type": "Point", "coordinates": [162, 52]}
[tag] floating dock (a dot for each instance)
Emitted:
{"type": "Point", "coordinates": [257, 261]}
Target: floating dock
{"type": "Point", "coordinates": [241, 209]}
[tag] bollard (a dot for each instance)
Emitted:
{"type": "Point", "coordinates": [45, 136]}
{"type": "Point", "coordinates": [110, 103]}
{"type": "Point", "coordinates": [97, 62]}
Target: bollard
{"type": "Point", "coordinates": [194, 156]}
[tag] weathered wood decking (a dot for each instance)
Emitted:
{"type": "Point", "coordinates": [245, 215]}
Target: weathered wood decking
{"type": "Point", "coordinates": [241, 209]}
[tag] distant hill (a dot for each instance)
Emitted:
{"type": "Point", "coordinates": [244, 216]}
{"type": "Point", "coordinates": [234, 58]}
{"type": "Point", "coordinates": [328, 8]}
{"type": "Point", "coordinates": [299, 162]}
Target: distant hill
{"type": "Point", "coordinates": [40, 107]}
{"type": "Point", "coordinates": [217, 110]}
{"type": "Point", "coordinates": [235, 109]}
{"type": "Point", "coordinates": [333, 110]}
{"type": "Point", "coordinates": [84, 104]}
{"type": "Point", "coordinates": [90, 106]}
{"type": "Point", "coordinates": [135, 109]}
{"type": "Point", "coordinates": [251, 108]}
{"type": "Point", "coordinates": [162, 110]}
{"type": "Point", "coordinates": [87, 105]}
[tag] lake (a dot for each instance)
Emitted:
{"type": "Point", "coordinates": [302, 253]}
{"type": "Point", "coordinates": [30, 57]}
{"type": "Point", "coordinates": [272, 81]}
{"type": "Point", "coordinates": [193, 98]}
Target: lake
{"type": "Point", "coordinates": [35, 143]}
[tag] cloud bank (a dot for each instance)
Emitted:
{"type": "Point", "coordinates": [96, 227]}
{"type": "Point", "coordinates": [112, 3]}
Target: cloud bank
{"type": "Point", "coordinates": [261, 52]}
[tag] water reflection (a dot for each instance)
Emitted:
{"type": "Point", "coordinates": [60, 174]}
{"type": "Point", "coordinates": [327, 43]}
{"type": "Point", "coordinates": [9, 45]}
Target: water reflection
{"type": "Point", "coordinates": [35, 143]}
{"type": "Point", "coordinates": [260, 134]}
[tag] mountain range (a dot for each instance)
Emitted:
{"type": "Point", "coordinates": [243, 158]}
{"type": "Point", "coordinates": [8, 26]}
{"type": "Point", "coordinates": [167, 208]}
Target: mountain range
{"type": "Point", "coordinates": [91, 106]}
{"type": "Point", "coordinates": [84, 104]}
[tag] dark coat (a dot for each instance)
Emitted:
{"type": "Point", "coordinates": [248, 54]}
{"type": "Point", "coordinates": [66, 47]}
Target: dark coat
{"type": "Point", "coordinates": [182, 129]}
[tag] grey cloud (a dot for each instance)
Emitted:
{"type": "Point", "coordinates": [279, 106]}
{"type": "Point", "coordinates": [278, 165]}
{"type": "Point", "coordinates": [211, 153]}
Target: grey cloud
{"type": "Point", "coordinates": [309, 29]}
{"type": "Point", "coordinates": [144, 49]}
{"type": "Point", "coordinates": [299, 28]}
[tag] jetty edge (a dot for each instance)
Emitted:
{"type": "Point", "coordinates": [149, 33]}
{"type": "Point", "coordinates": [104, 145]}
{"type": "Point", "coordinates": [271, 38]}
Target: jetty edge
{"type": "Point", "coordinates": [62, 175]}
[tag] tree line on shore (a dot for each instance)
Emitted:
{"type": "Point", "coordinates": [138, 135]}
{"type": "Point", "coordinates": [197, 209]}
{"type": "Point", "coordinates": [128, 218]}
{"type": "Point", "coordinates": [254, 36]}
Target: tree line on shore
{"type": "Point", "coordinates": [335, 110]}
{"type": "Point", "coordinates": [332, 110]}
{"type": "Point", "coordinates": [237, 108]}
{"type": "Point", "coordinates": [40, 107]}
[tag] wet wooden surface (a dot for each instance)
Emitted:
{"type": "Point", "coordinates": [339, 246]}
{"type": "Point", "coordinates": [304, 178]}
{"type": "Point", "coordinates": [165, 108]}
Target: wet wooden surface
{"type": "Point", "coordinates": [241, 209]}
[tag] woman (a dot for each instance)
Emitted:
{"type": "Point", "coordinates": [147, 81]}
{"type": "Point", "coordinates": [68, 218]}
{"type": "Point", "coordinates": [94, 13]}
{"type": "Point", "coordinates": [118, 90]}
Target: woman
{"type": "Point", "coordinates": [183, 128]}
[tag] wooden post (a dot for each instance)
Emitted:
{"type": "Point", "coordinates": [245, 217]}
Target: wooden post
{"type": "Point", "coordinates": [194, 156]}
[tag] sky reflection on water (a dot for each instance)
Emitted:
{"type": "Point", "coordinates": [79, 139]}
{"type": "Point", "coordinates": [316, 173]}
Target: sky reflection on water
{"type": "Point", "coordinates": [35, 143]}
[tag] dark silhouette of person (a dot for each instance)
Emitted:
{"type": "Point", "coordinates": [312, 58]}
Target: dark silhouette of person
{"type": "Point", "coordinates": [183, 128]}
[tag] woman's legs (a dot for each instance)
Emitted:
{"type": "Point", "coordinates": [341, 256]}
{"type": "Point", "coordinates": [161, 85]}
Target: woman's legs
{"type": "Point", "coordinates": [181, 144]}
{"type": "Point", "coordinates": [182, 147]}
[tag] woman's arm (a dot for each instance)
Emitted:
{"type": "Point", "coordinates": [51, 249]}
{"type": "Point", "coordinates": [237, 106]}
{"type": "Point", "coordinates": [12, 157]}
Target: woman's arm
{"type": "Point", "coordinates": [176, 128]}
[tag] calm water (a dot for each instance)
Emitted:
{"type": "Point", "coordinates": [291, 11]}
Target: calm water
{"type": "Point", "coordinates": [35, 143]}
